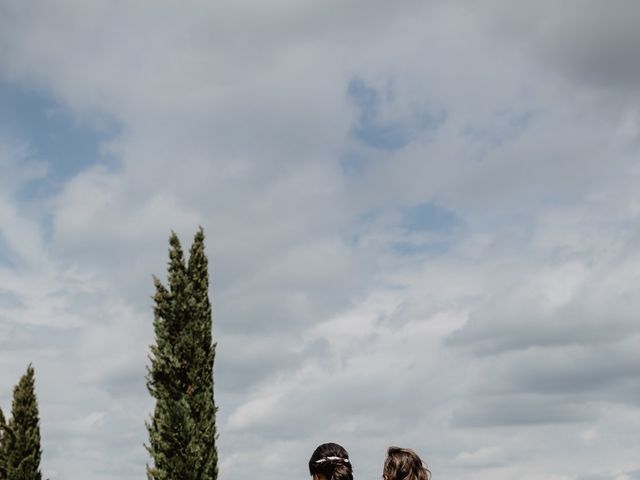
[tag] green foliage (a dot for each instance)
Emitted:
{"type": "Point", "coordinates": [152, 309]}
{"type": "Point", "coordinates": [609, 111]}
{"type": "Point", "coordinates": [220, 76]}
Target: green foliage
{"type": "Point", "coordinates": [182, 430]}
{"type": "Point", "coordinates": [21, 438]}
{"type": "Point", "coordinates": [3, 454]}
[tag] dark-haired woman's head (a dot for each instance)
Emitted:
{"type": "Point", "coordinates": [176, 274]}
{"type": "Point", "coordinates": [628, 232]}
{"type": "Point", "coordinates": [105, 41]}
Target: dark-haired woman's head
{"type": "Point", "coordinates": [330, 462]}
{"type": "Point", "coordinates": [404, 464]}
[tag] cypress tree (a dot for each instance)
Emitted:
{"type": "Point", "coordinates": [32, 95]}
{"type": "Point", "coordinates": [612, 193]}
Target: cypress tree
{"type": "Point", "coordinates": [182, 430]}
{"type": "Point", "coordinates": [21, 441]}
{"type": "Point", "coordinates": [3, 455]}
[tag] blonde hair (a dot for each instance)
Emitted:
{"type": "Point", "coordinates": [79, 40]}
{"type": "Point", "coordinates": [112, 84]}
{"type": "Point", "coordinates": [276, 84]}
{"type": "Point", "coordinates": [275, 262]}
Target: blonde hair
{"type": "Point", "coordinates": [404, 464]}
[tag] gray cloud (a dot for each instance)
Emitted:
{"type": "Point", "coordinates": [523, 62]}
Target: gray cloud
{"type": "Point", "coordinates": [585, 373]}
{"type": "Point", "coordinates": [520, 411]}
{"type": "Point", "coordinates": [495, 331]}
{"type": "Point", "coordinates": [589, 42]}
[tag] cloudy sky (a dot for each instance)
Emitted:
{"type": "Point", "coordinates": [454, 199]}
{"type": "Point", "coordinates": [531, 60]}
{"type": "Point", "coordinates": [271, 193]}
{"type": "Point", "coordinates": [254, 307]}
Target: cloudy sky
{"type": "Point", "coordinates": [422, 220]}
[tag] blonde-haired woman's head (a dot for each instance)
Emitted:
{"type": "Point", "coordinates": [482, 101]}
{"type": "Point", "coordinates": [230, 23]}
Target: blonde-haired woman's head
{"type": "Point", "coordinates": [404, 464]}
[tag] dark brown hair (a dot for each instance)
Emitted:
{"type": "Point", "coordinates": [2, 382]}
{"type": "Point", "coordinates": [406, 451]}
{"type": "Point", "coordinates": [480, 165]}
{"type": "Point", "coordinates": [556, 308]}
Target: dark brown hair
{"type": "Point", "coordinates": [332, 461]}
{"type": "Point", "coordinates": [404, 464]}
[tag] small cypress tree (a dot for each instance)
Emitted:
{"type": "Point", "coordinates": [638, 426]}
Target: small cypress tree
{"type": "Point", "coordinates": [21, 442]}
{"type": "Point", "coordinates": [3, 455]}
{"type": "Point", "coordinates": [182, 430]}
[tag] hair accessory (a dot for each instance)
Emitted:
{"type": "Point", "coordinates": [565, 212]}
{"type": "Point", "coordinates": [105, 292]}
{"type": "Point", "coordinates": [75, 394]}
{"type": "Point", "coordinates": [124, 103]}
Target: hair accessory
{"type": "Point", "coordinates": [326, 459]}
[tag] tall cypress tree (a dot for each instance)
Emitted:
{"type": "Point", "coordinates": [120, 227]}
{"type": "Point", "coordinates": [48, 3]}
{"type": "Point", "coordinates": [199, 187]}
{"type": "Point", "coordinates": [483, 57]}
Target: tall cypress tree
{"type": "Point", "coordinates": [182, 430]}
{"type": "Point", "coordinates": [21, 442]}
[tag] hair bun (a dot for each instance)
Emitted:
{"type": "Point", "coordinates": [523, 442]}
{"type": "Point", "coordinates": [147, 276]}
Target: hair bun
{"type": "Point", "coordinates": [332, 461]}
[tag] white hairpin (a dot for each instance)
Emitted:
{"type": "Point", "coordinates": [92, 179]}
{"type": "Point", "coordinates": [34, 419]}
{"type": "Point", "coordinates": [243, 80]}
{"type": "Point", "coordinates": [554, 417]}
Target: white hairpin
{"type": "Point", "coordinates": [326, 459]}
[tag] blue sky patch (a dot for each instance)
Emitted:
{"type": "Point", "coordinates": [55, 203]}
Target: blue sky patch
{"type": "Point", "coordinates": [382, 133]}
{"type": "Point", "coordinates": [425, 228]}
{"type": "Point", "coordinates": [429, 216]}
{"type": "Point", "coordinates": [429, 228]}
{"type": "Point", "coordinates": [433, 247]}
{"type": "Point", "coordinates": [53, 134]}
{"type": "Point", "coordinates": [7, 259]}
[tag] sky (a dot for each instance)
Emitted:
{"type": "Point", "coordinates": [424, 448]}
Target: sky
{"type": "Point", "coordinates": [422, 221]}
